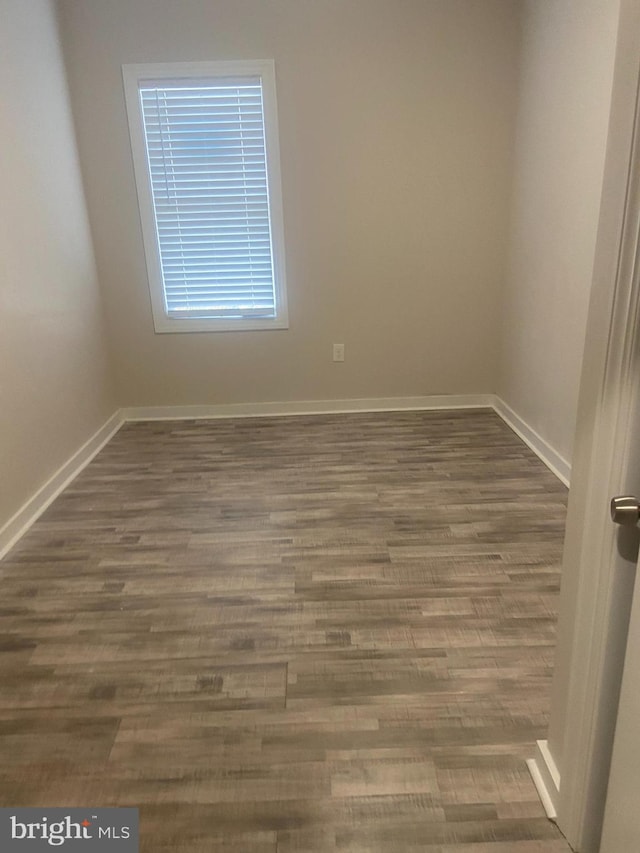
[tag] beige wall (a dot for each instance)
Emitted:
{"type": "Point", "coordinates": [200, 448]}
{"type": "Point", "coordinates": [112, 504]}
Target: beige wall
{"type": "Point", "coordinates": [54, 389]}
{"type": "Point", "coordinates": [563, 106]}
{"type": "Point", "coordinates": [396, 124]}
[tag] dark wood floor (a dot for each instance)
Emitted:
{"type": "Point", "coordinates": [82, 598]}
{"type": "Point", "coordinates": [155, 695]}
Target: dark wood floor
{"type": "Point", "coordinates": [291, 634]}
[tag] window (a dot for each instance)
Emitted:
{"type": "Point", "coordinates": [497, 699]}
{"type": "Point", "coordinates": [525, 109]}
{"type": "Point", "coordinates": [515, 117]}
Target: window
{"type": "Point", "coordinates": [207, 168]}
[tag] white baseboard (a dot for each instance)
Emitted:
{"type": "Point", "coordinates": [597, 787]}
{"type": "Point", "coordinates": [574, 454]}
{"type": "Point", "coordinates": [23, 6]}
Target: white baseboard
{"type": "Point", "coordinates": [307, 407]}
{"type": "Point", "coordinates": [543, 450]}
{"type": "Point", "coordinates": [18, 525]}
{"type": "Point", "coordinates": [36, 505]}
{"type": "Point", "coordinates": [546, 778]}
{"type": "Point", "coordinates": [559, 466]}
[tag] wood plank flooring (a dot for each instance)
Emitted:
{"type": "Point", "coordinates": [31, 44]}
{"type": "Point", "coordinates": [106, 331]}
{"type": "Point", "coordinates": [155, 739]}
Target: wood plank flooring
{"type": "Point", "coordinates": [291, 635]}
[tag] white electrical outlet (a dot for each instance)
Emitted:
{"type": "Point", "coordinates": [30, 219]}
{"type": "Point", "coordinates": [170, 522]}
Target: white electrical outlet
{"type": "Point", "coordinates": [338, 352]}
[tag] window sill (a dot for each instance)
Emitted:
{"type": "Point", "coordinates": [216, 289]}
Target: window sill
{"type": "Point", "coordinates": [167, 325]}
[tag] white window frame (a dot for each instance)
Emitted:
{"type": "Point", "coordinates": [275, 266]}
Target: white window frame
{"type": "Point", "coordinates": [133, 76]}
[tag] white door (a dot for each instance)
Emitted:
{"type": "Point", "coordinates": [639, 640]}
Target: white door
{"type": "Point", "coordinates": [599, 566]}
{"type": "Point", "coordinates": [621, 832]}
{"type": "Point", "coordinates": [621, 827]}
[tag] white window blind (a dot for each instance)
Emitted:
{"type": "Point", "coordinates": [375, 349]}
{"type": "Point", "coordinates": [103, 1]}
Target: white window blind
{"type": "Point", "coordinates": [206, 153]}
